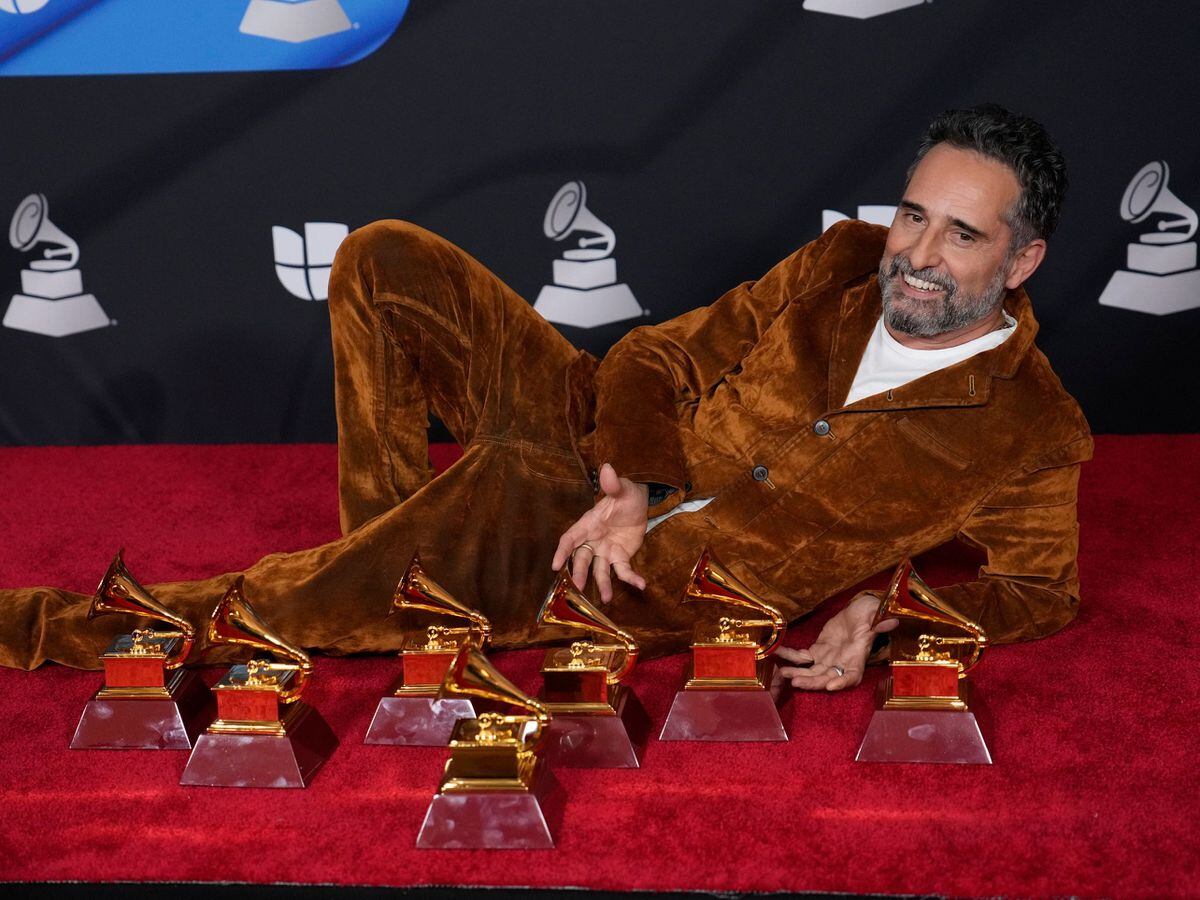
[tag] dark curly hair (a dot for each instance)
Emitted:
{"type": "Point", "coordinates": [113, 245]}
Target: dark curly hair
{"type": "Point", "coordinates": [1020, 143]}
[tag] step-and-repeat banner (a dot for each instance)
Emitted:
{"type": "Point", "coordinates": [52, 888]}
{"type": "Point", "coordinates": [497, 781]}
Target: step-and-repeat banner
{"type": "Point", "coordinates": [176, 176]}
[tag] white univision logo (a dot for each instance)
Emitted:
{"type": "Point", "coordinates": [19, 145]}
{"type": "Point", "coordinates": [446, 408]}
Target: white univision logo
{"type": "Point", "coordinates": [1161, 277]}
{"type": "Point", "coordinates": [51, 301]}
{"type": "Point", "coordinates": [875, 214]}
{"type": "Point", "coordinates": [22, 7]}
{"type": "Point", "coordinates": [585, 292]}
{"type": "Point", "coordinates": [859, 9]}
{"type": "Point", "coordinates": [303, 263]}
{"type": "Point", "coordinates": [294, 21]}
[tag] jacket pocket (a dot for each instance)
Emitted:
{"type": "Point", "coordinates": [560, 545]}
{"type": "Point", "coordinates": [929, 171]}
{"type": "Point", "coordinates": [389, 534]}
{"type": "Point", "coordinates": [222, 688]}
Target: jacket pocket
{"type": "Point", "coordinates": [928, 442]}
{"type": "Point", "coordinates": [552, 464]}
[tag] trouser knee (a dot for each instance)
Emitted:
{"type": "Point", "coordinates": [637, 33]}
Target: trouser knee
{"type": "Point", "coordinates": [392, 258]}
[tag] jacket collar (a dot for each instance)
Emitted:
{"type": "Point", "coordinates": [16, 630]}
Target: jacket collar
{"type": "Point", "coordinates": [967, 383]}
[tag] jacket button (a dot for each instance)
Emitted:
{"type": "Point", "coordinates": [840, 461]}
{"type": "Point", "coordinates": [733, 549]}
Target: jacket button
{"type": "Point", "coordinates": [759, 473]}
{"type": "Point", "coordinates": [821, 428]}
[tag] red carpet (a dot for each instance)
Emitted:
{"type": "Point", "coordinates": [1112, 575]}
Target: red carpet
{"type": "Point", "coordinates": [1095, 744]}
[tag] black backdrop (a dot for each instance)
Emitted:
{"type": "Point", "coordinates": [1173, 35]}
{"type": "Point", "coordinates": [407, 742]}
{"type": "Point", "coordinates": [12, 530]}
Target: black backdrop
{"type": "Point", "coordinates": [710, 135]}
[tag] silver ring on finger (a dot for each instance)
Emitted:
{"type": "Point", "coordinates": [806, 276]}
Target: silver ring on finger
{"type": "Point", "coordinates": [584, 546]}
{"type": "Point", "coordinates": [840, 671]}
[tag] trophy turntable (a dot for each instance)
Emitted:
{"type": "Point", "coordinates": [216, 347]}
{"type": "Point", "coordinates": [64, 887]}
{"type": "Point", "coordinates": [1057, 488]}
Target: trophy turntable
{"type": "Point", "coordinates": [497, 791]}
{"type": "Point", "coordinates": [412, 713]}
{"type": "Point", "coordinates": [727, 695]}
{"type": "Point", "coordinates": [598, 720]}
{"type": "Point", "coordinates": [148, 701]}
{"type": "Point", "coordinates": [925, 710]}
{"type": "Point", "coordinates": [264, 734]}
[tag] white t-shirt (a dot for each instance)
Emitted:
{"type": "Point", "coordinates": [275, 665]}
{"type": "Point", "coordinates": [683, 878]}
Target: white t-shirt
{"type": "Point", "coordinates": [887, 364]}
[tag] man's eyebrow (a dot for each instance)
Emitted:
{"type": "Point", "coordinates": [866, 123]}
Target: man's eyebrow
{"type": "Point", "coordinates": [969, 229]}
{"type": "Point", "coordinates": [957, 223]}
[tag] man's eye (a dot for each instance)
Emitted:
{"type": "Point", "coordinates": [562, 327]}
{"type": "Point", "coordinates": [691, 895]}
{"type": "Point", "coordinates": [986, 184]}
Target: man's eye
{"type": "Point", "coordinates": [964, 238]}
{"type": "Point", "coordinates": [915, 219]}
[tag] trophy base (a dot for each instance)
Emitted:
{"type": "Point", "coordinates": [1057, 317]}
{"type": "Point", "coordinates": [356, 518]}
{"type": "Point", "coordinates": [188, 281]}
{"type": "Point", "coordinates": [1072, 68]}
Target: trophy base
{"type": "Point", "coordinates": [724, 715]}
{"type": "Point", "coordinates": [170, 722]}
{"type": "Point", "coordinates": [417, 721]}
{"type": "Point", "coordinates": [495, 820]}
{"type": "Point", "coordinates": [615, 739]}
{"type": "Point", "coordinates": [925, 735]}
{"type": "Point", "coordinates": [288, 760]}
{"type": "Point", "coordinates": [55, 318]}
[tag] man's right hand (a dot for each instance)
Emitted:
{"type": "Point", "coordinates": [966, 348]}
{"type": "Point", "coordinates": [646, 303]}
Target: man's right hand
{"type": "Point", "coordinates": [607, 535]}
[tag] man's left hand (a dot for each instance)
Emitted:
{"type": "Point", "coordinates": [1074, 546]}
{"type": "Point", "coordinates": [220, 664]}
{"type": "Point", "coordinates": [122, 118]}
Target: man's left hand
{"type": "Point", "coordinates": [844, 644]}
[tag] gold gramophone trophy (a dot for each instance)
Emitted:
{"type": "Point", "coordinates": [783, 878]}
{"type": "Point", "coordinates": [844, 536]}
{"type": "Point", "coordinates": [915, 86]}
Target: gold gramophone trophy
{"type": "Point", "coordinates": [598, 720]}
{"type": "Point", "coordinates": [497, 791]}
{"type": "Point", "coordinates": [925, 710]}
{"type": "Point", "coordinates": [148, 701]}
{"type": "Point", "coordinates": [412, 713]}
{"type": "Point", "coordinates": [264, 734]}
{"type": "Point", "coordinates": [727, 695]}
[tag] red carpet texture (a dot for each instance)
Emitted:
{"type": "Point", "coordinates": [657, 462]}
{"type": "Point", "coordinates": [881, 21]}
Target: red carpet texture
{"type": "Point", "coordinates": [1093, 791]}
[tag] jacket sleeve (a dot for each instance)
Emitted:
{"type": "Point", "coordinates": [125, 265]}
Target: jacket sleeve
{"type": "Point", "coordinates": [1027, 526]}
{"type": "Point", "coordinates": [653, 370]}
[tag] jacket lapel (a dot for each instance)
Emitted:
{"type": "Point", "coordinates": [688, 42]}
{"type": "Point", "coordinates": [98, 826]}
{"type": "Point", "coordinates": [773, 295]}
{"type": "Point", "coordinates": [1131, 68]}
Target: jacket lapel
{"type": "Point", "coordinates": [967, 383]}
{"type": "Point", "coordinates": [860, 310]}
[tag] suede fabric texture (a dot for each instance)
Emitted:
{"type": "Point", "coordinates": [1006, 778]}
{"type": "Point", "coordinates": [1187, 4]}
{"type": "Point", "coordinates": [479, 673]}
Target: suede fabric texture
{"type": "Point", "coordinates": [987, 451]}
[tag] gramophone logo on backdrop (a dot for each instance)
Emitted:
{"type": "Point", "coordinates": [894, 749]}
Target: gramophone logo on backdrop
{"type": "Point", "coordinates": [1161, 275]}
{"type": "Point", "coordinates": [585, 292]}
{"type": "Point", "coordinates": [22, 7]}
{"type": "Point", "coordinates": [860, 9]}
{"type": "Point", "coordinates": [303, 263]}
{"type": "Point", "coordinates": [873, 213]}
{"type": "Point", "coordinates": [51, 301]}
{"type": "Point", "coordinates": [126, 37]}
{"type": "Point", "coordinates": [294, 21]}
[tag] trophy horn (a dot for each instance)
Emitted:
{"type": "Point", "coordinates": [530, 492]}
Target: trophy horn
{"type": "Point", "coordinates": [908, 597]}
{"type": "Point", "coordinates": [566, 605]}
{"type": "Point", "coordinates": [473, 675]}
{"type": "Point", "coordinates": [234, 621]}
{"type": "Point", "coordinates": [120, 592]}
{"type": "Point", "coordinates": [710, 580]}
{"type": "Point", "coordinates": [416, 590]}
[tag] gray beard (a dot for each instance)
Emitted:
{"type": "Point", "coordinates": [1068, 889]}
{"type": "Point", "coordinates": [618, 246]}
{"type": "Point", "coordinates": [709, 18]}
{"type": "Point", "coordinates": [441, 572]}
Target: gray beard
{"type": "Point", "coordinates": [954, 310]}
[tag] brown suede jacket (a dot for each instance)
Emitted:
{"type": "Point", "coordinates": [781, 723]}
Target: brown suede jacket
{"type": "Point", "coordinates": [742, 401]}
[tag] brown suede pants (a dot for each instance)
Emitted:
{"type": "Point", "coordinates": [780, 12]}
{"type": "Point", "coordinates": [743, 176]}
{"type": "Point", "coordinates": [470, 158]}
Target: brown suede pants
{"type": "Point", "coordinates": [418, 326]}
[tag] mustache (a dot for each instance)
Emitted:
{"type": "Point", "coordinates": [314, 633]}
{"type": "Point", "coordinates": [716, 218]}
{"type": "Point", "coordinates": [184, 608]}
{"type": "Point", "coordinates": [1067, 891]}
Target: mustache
{"type": "Point", "coordinates": [902, 265]}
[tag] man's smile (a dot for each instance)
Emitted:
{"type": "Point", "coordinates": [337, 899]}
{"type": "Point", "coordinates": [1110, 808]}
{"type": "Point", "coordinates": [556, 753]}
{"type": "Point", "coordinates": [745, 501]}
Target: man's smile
{"type": "Point", "coordinates": [919, 288]}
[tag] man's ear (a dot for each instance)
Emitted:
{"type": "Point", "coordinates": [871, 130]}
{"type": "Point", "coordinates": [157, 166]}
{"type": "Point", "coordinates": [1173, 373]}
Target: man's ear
{"type": "Point", "coordinates": [1025, 263]}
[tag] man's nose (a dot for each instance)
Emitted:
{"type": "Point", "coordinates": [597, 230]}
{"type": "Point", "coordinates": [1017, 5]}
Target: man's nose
{"type": "Point", "coordinates": [924, 253]}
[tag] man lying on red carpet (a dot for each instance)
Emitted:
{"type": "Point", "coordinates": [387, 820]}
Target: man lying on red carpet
{"type": "Point", "coordinates": [873, 395]}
